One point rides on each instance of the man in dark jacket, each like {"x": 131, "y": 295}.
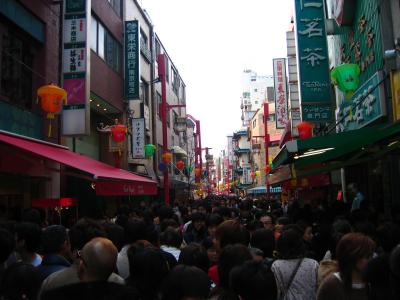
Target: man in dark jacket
{"x": 56, "y": 250}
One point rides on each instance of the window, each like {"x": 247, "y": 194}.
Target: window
{"x": 256, "y": 102}
{"x": 144, "y": 91}
{"x": 158, "y": 104}
{"x": 271, "y": 117}
{"x": 175, "y": 81}
{"x": 254, "y": 123}
{"x": 116, "y": 5}
{"x": 104, "y": 44}
{"x": 183, "y": 94}
{"x": 167, "y": 69}
{"x": 16, "y": 78}
{"x": 158, "y": 49}
{"x": 255, "y": 90}
{"x": 270, "y": 94}
{"x": 169, "y": 118}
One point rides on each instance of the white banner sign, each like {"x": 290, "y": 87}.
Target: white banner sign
{"x": 74, "y": 60}
{"x": 75, "y": 30}
{"x": 281, "y": 101}
{"x": 138, "y": 138}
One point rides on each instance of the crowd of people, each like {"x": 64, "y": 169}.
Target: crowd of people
{"x": 214, "y": 248}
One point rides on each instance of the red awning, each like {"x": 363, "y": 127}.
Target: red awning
{"x": 101, "y": 172}
{"x": 275, "y": 137}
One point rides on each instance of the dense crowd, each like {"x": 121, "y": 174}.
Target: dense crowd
{"x": 215, "y": 248}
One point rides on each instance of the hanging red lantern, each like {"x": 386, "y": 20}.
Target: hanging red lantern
{"x": 305, "y": 130}
{"x": 52, "y": 99}
{"x": 252, "y": 174}
{"x": 167, "y": 157}
{"x": 180, "y": 165}
{"x": 266, "y": 168}
{"x": 118, "y": 132}
{"x": 197, "y": 172}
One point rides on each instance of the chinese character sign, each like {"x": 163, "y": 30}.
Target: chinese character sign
{"x": 138, "y": 138}
{"x": 281, "y": 103}
{"x": 312, "y": 55}
{"x": 131, "y": 60}
{"x": 74, "y": 60}
{"x": 365, "y": 106}
{"x": 75, "y": 29}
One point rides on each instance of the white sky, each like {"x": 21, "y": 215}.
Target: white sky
{"x": 211, "y": 42}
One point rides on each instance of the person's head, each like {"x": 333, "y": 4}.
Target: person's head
{"x": 186, "y": 283}
{"x": 198, "y": 220}
{"x": 84, "y": 231}
{"x": 307, "y": 230}
{"x": 253, "y": 281}
{"x": 168, "y": 223}
{"x": 213, "y": 221}
{"x": 31, "y": 215}
{"x": 353, "y": 252}
{"x": 194, "y": 254}
{"x": 339, "y": 229}
{"x": 388, "y": 235}
{"x": 116, "y": 234}
{"x": 267, "y": 221}
{"x": 231, "y": 256}
{"x": 55, "y": 241}
{"x": 28, "y": 237}
{"x": 7, "y": 244}
{"x": 97, "y": 260}
{"x": 135, "y": 229}
{"x": 290, "y": 244}
{"x": 231, "y": 232}
{"x": 352, "y": 188}
{"x": 171, "y": 237}
{"x": 21, "y": 281}
{"x": 263, "y": 239}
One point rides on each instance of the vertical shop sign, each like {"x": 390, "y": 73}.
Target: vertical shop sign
{"x": 132, "y": 60}
{"x": 76, "y": 60}
{"x": 312, "y": 57}
{"x": 280, "y": 86}
{"x": 395, "y": 83}
{"x": 138, "y": 138}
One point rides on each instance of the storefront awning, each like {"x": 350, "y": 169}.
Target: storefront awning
{"x": 178, "y": 150}
{"x": 305, "y": 157}
{"x": 263, "y": 190}
{"x": 108, "y": 179}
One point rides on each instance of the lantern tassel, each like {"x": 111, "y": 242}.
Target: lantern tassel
{"x": 49, "y": 133}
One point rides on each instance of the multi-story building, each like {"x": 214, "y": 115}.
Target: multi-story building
{"x": 242, "y": 152}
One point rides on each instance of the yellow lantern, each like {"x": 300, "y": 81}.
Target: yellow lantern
{"x": 52, "y": 99}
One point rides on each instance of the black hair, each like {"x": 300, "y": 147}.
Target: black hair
{"x": 168, "y": 223}
{"x": 7, "y": 244}
{"x": 290, "y": 244}
{"x": 264, "y": 240}
{"x": 135, "y": 229}
{"x": 53, "y": 239}
{"x": 253, "y": 281}
{"x": 83, "y": 231}
{"x": 116, "y": 234}
{"x": 31, "y": 215}
{"x": 197, "y": 216}
{"x": 195, "y": 254}
{"x": 186, "y": 281}
{"x": 31, "y": 234}
{"x": 232, "y": 232}
{"x": 171, "y": 237}
{"x": 214, "y": 220}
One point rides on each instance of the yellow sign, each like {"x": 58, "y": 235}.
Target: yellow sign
{"x": 395, "y": 82}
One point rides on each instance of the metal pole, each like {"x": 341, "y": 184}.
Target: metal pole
{"x": 161, "y": 73}
{"x": 199, "y": 144}
{"x": 266, "y": 140}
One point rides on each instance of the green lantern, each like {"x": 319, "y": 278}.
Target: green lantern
{"x": 347, "y": 78}
{"x": 149, "y": 150}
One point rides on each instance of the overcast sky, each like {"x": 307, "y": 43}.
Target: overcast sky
{"x": 211, "y": 42}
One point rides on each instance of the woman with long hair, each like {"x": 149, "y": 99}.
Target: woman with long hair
{"x": 353, "y": 253}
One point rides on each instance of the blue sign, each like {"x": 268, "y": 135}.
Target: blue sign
{"x": 312, "y": 57}
{"x": 365, "y": 106}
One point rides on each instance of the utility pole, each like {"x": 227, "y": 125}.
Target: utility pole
{"x": 266, "y": 141}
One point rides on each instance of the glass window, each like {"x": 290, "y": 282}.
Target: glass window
{"x": 101, "y": 39}
{"x": 167, "y": 68}
{"x": 271, "y": 117}
{"x": 158, "y": 104}
{"x": 93, "y": 34}
{"x": 116, "y": 5}
{"x": 144, "y": 91}
{"x": 158, "y": 49}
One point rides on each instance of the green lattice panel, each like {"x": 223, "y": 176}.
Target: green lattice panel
{"x": 368, "y": 10}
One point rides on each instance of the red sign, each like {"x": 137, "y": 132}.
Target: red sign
{"x": 121, "y": 188}
{"x": 53, "y": 202}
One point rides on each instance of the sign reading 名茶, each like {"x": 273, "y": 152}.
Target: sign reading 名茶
{"x": 138, "y": 138}
{"x": 365, "y": 106}
{"x": 75, "y": 115}
{"x": 132, "y": 76}
{"x": 312, "y": 57}
{"x": 280, "y": 87}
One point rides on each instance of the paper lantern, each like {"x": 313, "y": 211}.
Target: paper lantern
{"x": 149, "y": 150}
{"x": 197, "y": 172}
{"x": 305, "y": 130}
{"x": 52, "y": 99}
{"x": 118, "y": 132}
{"x": 252, "y": 174}
{"x": 258, "y": 173}
{"x": 180, "y": 165}
{"x": 347, "y": 78}
{"x": 167, "y": 157}
{"x": 266, "y": 168}
{"x": 162, "y": 167}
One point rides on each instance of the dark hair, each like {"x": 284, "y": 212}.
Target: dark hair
{"x": 290, "y": 244}
{"x": 31, "y": 215}
{"x": 83, "y": 231}
{"x": 21, "y": 281}
{"x": 195, "y": 255}
{"x": 264, "y": 240}
{"x": 214, "y": 220}
{"x": 253, "y": 281}
{"x": 388, "y": 235}
{"x": 231, "y": 256}
{"x": 116, "y": 234}
{"x": 168, "y": 223}
{"x": 198, "y": 216}
{"x": 171, "y": 237}
{"x": 339, "y": 228}
{"x": 232, "y": 232}
{"x": 7, "y": 244}
{"x": 351, "y": 248}
{"x": 30, "y": 233}
{"x": 53, "y": 239}
{"x": 186, "y": 281}
{"x": 135, "y": 229}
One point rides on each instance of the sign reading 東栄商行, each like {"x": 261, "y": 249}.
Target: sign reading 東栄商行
{"x": 312, "y": 57}
{"x": 132, "y": 60}
{"x": 365, "y": 106}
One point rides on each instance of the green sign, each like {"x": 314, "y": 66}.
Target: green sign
{"x": 312, "y": 56}
{"x": 132, "y": 76}
{"x": 365, "y": 106}
{"x": 73, "y": 6}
